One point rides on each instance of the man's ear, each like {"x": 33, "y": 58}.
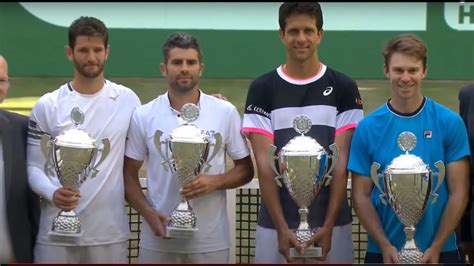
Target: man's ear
{"x": 107, "y": 51}
{"x": 69, "y": 52}
{"x": 385, "y": 70}
{"x": 201, "y": 70}
{"x": 163, "y": 69}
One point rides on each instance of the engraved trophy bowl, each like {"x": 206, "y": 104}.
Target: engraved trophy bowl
{"x": 408, "y": 184}
{"x": 187, "y": 155}
{"x": 70, "y": 157}
{"x": 304, "y": 167}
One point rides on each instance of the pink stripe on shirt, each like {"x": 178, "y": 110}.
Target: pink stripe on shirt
{"x": 346, "y": 127}
{"x": 257, "y": 130}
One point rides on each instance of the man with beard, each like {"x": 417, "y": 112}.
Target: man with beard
{"x": 106, "y": 109}
{"x": 182, "y": 66}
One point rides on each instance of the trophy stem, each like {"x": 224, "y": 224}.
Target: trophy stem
{"x": 184, "y": 205}
{"x": 304, "y": 225}
{"x": 410, "y": 252}
{"x": 304, "y": 234}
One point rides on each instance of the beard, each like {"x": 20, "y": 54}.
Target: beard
{"x": 184, "y": 86}
{"x": 88, "y": 71}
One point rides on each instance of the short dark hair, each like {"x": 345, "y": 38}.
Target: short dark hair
{"x": 181, "y": 40}
{"x": 407, "y": 44}
{"x": 288, "y": 9}
{"x": 87, "y": 26}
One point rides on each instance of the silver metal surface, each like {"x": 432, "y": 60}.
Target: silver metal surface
{"x": 304, "y": 169}
{"x": 187, "y": 154}
{"x": 408, "y": 186}
{"x": 71, "y": 157}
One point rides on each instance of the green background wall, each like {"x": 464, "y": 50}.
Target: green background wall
{"x": 35, "y": 47}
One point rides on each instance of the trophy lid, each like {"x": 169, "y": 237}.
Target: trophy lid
{"x": 188, "y": 133}
{"x": 302, "y": 146}
{"x": 407, "y": 164}
{"x": 75, "y": 138}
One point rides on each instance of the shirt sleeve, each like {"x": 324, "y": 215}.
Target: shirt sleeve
{"x": 359, "y": 154}
{"x": 349, "y": 105}
{"x": 136, "y": 147}
{"x": 40, "y": 182}
{"x": 257, "y": 118}
{"x": 236, "y": 144}
{"x": 457, "y": 144}
{"x": 466, "y": 111}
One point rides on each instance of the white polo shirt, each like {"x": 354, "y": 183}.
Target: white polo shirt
{"x": 101, "y": 208}
{"x": 163, "y": 188}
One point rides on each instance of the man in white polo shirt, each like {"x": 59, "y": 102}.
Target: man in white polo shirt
{"x": 107, "y": 108}
{"x": 182, "y": 67}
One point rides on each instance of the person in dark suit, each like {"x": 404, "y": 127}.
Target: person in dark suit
{"x": 19, "y": 206}
{"x": 465, "y": 228}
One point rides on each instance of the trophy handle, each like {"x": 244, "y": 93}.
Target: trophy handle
{"x": 158, "y": 143}
{"x": 375, "y": 178}
{"x": 441, "y": 173}
{"x": 217, "y": 146}
{"x": 271, "y": 161}
{"x": 335, "y": 156}
{"x": 104, "y": 152}
{"x": 45, "y": 145}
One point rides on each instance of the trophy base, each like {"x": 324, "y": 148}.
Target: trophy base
{"x": 179, "y": 232}
{"x": 309, "y": 252}
{"x": 71, "y": 238}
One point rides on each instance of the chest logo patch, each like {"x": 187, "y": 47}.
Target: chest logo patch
{"x": 114, "y": 98}
{"x": 427, "y": 134}
{"x": 327, "y": 91}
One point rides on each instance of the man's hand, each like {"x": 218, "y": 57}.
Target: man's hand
{"x": 390, "y": 254}
{"x": 287, "y": 239}
{"x": 157, "y": 221}
{"x": 66, "y": 199}
{"x": 322, "y": 238}
{"x": 431, "y": 255}
{"x": 200, "y": 186}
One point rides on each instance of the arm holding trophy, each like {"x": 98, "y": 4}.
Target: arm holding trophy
{"x": 133, "y": 191}
{"x": 338, "y": 192}
{"x": 362, "y": 187}
{"x": 203, "y": 184}
{"x": 137, "y": 200}
{"x": 270, "y": 195}
{"x": 457, "y": 177}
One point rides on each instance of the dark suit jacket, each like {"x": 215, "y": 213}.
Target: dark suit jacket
{"x": 22, "y": 205}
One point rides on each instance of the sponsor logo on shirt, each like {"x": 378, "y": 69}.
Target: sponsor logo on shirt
{"x": 427, "y": 134}
{"x": 114, "y": 98}
{"x": 209, "y": 134}
{"x": 327, "y": 91}
{"x": 259, "y": 110}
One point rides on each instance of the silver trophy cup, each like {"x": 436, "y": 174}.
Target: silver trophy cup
{"x": 304, "y": 168}
{"x": 71, "y": 157}
{"x": 408, "y": 184}
{"x": 187, "y": 155}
